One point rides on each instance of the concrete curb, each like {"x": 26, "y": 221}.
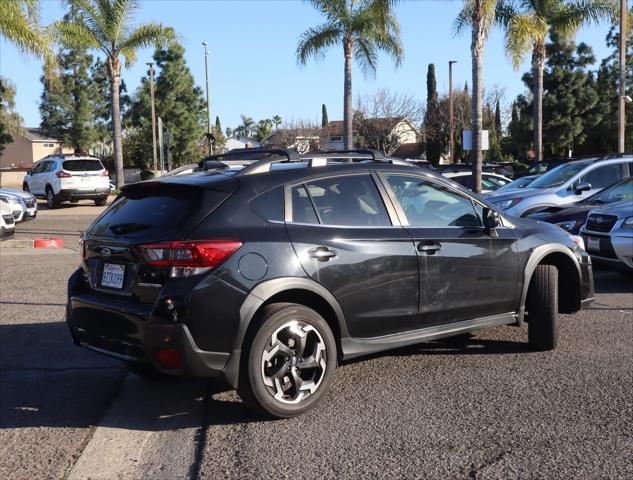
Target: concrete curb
{"x": 55, "y": 242}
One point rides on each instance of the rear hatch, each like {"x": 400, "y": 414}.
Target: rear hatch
{"x": 147, "y": 213}
{"x": 83, "y": 174}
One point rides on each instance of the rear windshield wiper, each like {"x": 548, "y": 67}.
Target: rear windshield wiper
{"x": 121, "y": 228}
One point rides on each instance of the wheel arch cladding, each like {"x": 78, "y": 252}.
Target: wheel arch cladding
{"x": 568, "y": 276}
{"x": 292, "y": 290}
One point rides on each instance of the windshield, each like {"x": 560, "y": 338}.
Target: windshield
{"x": 519, "y": 183}
{"x": 558, "y": 175}
{"x": 617, "y": 193}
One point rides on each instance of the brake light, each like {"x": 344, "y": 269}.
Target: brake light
{"x": 190, "y": 258}
{"x": 62, "y": 174}
{"x": 105, "y": 173}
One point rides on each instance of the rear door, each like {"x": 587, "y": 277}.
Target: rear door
{"x": 345, "y": 238}
{"x": 465, "y": 272}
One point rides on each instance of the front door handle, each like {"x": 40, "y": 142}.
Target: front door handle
{"x": 322, "y": 254}
{"x": 429, "y": 247}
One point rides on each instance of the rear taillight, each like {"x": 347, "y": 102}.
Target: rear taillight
{"x": 62, "y": 174}
{"x": 189, "y": 258}
{"x": 105, "y": 173}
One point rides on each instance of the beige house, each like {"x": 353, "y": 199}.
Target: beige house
{"x": 29, "y": 147}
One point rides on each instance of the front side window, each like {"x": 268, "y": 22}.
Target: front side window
{"x": 621, "y": 192}
{"x": 427, "y": 204}
{"x": 341, "y": 201}
{"x": 602, "y": 177}
{"x": 38, "y": 168}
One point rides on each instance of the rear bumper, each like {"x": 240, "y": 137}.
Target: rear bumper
{"x": 135, "y": 333}
{"x": 76, "y": 194}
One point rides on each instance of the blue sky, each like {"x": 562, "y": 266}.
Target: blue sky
{"x": 252, "y": 63}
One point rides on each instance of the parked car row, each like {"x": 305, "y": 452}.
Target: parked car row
{"x": 17, "y": 206}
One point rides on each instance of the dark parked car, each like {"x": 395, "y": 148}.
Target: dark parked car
{"x": 270, "y": 276}
{"x": 572, "y": 217}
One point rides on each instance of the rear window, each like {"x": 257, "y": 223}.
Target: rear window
{"x": 143, "y": 211}
{"x": 82, "y": 165}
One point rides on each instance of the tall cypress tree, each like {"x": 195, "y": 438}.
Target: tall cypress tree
{"x": 324, "y": 120}
{"x": 179, "y": 103}
{"x": 432, "y": 123}
{"x": 498, "y": 117}
{"x": 67, "y": 104}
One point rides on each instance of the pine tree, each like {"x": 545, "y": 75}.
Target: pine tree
{"x": 571, "y": 104}
{"x": 324, "y": 119}
{"x": 67, "y": 104}
{"x": 179, "y": 103}
{"x": 220, "y": 139}
{"x": 498, "y": 127}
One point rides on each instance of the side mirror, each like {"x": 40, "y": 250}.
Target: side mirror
{"x": 29, "y": 172}
{"x": 582, "y": 187}
{"x": 492, "y": 219}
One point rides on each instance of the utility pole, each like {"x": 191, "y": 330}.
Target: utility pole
{"x": 451, "y": 142}
{"x": 622, "y": 95}
{"x": 206, "y": 73}
{"x": 151, "y": 95}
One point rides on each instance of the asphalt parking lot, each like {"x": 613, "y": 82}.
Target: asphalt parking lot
{"x": 474, "y": 407}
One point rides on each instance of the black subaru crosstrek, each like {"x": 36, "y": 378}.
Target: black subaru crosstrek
{"x": 268, "y": 275}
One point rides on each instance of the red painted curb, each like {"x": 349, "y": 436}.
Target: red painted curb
{"x": 48, "y": 243}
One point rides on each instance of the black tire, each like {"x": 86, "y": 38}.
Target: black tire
{"x": 52, "y": 200}
{"x": 100, "y": 202}
{"x": 542, "y": 307}
{"x": 147, "y": 372}
{"x": 319, "y": 349}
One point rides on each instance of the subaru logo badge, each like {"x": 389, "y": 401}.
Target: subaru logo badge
{"x": 599, "y": 219}
{"x": 106, "y": 252}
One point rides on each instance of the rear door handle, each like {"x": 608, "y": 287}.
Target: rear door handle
{"x": 429, "y": 247}
{"x": 322, "y": 254}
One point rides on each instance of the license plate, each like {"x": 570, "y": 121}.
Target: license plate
{"x": 593, "y": 244}
{"x": 85, "y": 179}
{"x": 113, "y": 276}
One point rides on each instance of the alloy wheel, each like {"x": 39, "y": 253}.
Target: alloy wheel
{"x": 293, "y": 362}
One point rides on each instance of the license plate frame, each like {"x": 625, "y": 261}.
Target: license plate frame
{"x": 593, "y": 244}
{"x": 113, "y": 276}
{"x": 85, "y": 178}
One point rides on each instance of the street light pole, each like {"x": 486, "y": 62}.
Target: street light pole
{"x": 622, "y": 90}
{"x": 206, "y": 73}
{"x": 151, "y": 95}
{"x": 451, "y": 147}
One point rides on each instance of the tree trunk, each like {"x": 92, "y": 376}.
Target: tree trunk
{"x": 114, "y": 71}
{"x": 477, "y": 49}
{"x": 348, "y": 135}
{"x": 538, "y": 65}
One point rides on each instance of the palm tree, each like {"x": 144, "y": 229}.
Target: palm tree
{"x": 105, "y": 25}
{"x": 362, "y": 27}
{"x": 480, "y": 16}
{"x": 247, "y": 126}
{"x": 527, "y": 24}
{"x": 277, "y": 121}
{"x": 20, "y": 25}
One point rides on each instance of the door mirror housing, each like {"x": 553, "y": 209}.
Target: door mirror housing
{"x": 582, "y": 187}
{"x": 29, "y": 172}
{"x": 492, "y": 219}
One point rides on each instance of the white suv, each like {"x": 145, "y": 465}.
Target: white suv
{"x": 68, "y": 177}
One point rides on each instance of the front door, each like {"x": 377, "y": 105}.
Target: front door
{"x": 465, "y": 272}
{"x": 344, "y": 238}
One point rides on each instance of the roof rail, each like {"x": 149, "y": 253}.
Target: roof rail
{"x": 375, "y": 154}
{"x": 254, "y": 154}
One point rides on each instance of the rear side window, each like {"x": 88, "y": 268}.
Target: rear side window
{"x": 342, "y": 201}
{"x": 270, "y": 205}
{"x": 82, "y": 165}
{"x": 144, "y": 211}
